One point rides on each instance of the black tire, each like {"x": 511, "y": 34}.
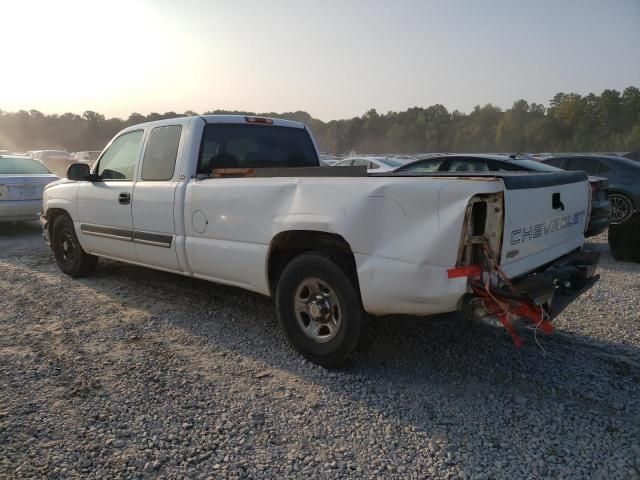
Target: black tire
{"x": 70, "y": 256}
{"x": 333, "y": 345}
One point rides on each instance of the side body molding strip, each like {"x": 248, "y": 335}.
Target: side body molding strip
{"x": 109, "y": 232}
{"x": 146, "y": 238}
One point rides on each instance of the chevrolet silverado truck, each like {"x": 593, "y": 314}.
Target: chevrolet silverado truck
{"x": 243, "y": 201}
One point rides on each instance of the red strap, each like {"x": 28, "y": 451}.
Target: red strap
{"x": 467, "y": 271}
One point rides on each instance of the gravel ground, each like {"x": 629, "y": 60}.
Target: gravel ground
{"x": 136, "y": 374}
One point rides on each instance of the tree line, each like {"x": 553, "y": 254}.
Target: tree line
{"x": 570, "y": 122}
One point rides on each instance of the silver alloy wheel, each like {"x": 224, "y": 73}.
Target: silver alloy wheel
{"x": 317, "y": 310}
{"x": 620, "y": 208}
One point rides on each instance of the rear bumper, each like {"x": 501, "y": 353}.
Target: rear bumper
{"x": 20, "y": 210}
{"x": 568, "y": 278}
{"x": 552, "y": 287}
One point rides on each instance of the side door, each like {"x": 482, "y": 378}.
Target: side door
{"x": 154, "y": 231}
{"x": 104, "y": 221}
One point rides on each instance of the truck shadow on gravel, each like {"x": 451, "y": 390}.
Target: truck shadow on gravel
{"x": 400, "y": 352}
{"x": 439, "y": 378}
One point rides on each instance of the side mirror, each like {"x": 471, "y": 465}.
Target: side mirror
{"x": 78, "y": 171}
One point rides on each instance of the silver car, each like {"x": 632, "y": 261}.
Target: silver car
{"x": 22, "y": 181}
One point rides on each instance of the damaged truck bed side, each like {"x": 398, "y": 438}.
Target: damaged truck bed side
{"x": 200, "y": 196}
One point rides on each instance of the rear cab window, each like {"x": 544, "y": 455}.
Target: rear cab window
{"x": 237, "y": 145}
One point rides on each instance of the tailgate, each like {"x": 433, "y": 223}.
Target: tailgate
{"x": 545, "y": 218}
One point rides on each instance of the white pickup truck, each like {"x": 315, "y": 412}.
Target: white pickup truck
{"x": 243, "y": 201}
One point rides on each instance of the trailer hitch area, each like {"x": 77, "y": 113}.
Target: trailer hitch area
{"x": 573, "y": 271}
{"x": 509, "y": 309}
{"x": 497, "y": 300}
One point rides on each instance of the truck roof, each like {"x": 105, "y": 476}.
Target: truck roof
{"x": 243, "y": 119}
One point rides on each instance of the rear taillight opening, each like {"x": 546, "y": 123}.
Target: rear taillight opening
{"x": 478, "y": 218}
{"x": 482, "y": 228}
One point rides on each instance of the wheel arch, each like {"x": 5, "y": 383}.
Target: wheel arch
{"x": 287, "y": 245}
{"x": 52, "y": 214}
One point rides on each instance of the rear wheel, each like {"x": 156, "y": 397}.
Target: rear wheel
{"x": 319, "y": 308}
{"x": 70, "y": 256}
{"x": 621, "y": 207}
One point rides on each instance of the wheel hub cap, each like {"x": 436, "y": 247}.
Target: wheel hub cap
{"x": 619, "y": 208}
{"x": 317, "y": 310}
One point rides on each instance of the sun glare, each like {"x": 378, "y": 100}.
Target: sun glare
{"x": 66, "y": 63}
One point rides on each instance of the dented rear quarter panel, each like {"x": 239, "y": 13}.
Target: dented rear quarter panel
{"x": 404, "y": 232}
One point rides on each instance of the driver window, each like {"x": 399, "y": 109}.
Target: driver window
{"x": 119, "y": 161}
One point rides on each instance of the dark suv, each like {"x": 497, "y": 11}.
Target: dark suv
{"x": 623, "y": 175}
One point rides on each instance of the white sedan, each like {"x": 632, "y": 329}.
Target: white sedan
{"x": 22, "y": 181}
{"x": 373, "y": 164}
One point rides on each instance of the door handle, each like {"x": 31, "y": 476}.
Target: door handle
{"x": 124, "y": 198}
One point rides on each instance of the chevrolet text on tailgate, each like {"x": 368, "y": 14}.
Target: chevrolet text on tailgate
{"x": 244, "y": 201}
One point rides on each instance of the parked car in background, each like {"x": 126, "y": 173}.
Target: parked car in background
{"x": 22, "y": 181}
{"x": 623, "y": 175}
{"x": 373, "y": 164}
{"x": 88, "y": 156}
{"x": 328, "y": 160}
{"x": 600, "y": 213}
{"x": 56, "y": 161}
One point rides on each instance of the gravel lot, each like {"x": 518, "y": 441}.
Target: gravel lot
{"x": 136, "y": 374}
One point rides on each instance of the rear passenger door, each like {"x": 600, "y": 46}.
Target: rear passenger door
{"x": 154, "y": 231}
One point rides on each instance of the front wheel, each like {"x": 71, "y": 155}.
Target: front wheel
{"x": 621, "y": 207}
{"x": 70, "y": 256}
{"x": 319, "y": 308}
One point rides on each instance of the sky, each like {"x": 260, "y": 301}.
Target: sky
{"x": 332, "y": 58}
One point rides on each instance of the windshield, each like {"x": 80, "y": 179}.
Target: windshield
{"x": 237, "y": 145}
{"x": 21, "y": 166}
